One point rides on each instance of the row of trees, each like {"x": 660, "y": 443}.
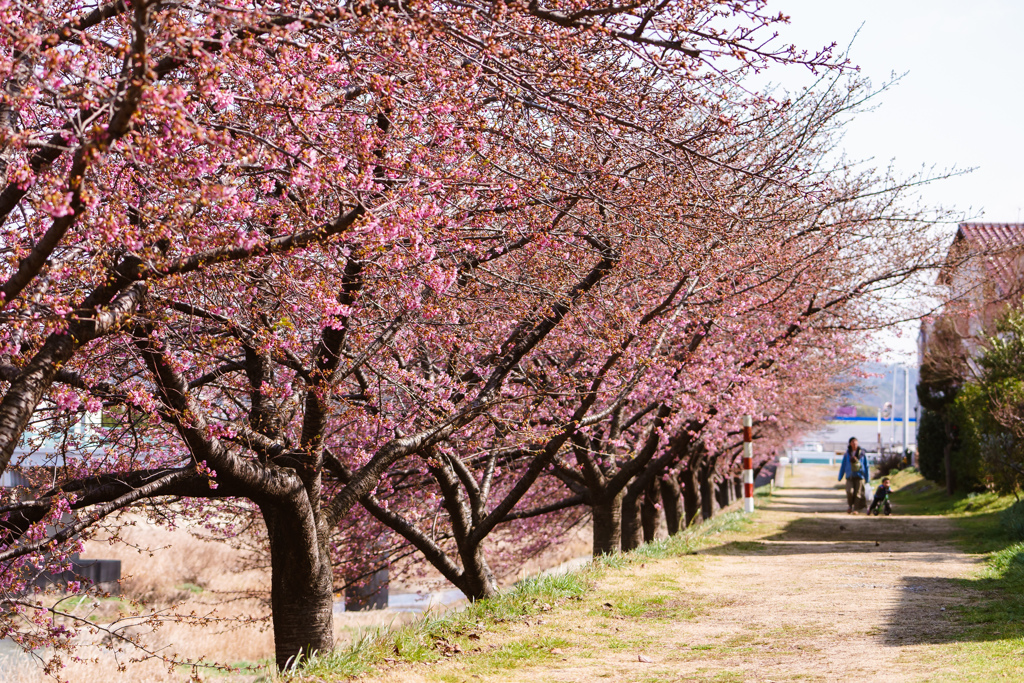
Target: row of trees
{"x": 393, "y": 277}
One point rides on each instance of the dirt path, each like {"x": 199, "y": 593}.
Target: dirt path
{"x": 804, "y": 593}
{"x": 817, "y": 594}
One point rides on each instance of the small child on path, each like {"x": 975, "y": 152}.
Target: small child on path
{"x": 881, "y": 499}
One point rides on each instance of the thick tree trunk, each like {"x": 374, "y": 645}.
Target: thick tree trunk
{"x": 707, "y": 494}
{"x": 607, "y": 512}
{"x": 723, "y": 492}
{"x": 301, "y": 587}
{"x": 691, "y": 496}
{"x": 650, "y": 512}
{"x": 737, "y": 488}
{"x": 670, "y": 494}
{"x": 632, "y": 528}
{"x": 478, "y": 578}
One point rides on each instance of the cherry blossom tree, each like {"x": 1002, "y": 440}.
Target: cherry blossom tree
{"x": 285, "y": 248}
{"x": 744, "y": 334}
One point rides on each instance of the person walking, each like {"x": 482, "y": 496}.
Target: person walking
{"x": 855, "y": 469}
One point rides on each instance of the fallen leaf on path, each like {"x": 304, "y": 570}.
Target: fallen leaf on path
{"x": 645, "y": 659}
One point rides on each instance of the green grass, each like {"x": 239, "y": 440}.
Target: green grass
{"x": 990, "y": 640}
{"x": 436, "y": 636}
{"x": 975, "y": 514}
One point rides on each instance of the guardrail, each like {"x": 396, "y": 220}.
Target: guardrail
{"x": 820, "y": 458}
{"x": 814, "y": 458}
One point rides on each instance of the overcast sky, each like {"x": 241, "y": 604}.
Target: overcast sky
{"x": 960, "y": 104}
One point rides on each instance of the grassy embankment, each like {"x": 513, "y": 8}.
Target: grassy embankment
{"x": 498, "y": 621}
{"x": 992, "y": 628}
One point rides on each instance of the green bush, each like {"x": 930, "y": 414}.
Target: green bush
{"x": 975, "y": 431}
{"x": 931, "y": 440}
{"x": 1012, "y": 519}
{"x": 971, "y": 424}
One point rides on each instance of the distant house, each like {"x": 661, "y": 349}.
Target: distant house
{"x": 36, "y": 454}
{"x": 984, "y": 272}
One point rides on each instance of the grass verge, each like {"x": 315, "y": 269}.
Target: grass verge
{"x": 990, "y": 641}
{"x": 435, "y": 637}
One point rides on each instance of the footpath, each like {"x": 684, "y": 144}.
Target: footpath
{"x": 802, "y": 592}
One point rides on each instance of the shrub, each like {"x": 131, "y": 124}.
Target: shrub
{"x": 931, "y": 440}
{"x": 1012, "y": 519}
{"x": 888, "y": 463}
{"x": 972, "y": 415}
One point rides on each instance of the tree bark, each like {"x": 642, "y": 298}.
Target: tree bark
{"x": 707, "y": 493}
{"x": 607, "y": 512}
{"x": 737, "y": 488}
{"x": 670, "y": 494}
{"x": 301, "y": 587}
{"x": 723, "y": 492}
{"x": 691, "y": 496}
{"x": 632, "y": 527}
{"x": 649, "y": 512}
{"x": 478, "y": 579}
{"x": 947, "y": 462}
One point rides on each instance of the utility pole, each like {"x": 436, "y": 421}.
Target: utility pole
{"x": 892, "y": 415}
{"x": 879, "y": 432}
{"x": 906, "y": 413}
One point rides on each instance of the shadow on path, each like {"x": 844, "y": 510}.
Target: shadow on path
{"x": 883, "y": 570}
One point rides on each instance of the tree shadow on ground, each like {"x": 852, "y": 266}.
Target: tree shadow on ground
{"x": 786, "y": 494}
{"x": 930, "y": 610}
{"x": 935, "y": 611}
{"x": 839, "y": 529}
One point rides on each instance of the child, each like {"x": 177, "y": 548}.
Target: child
{"x": 881, "y": 499}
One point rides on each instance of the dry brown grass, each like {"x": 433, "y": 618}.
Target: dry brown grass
{"x": 177, "y": 573}
{"x": 211, "y": 607}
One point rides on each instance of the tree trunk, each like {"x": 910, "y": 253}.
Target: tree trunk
{"x": 707, "y": 493}
{"x": 301, "y": 587}
{"x": 632, "y": 529}
{"x": 723, "y": 492}
{"x": 670, "y": 494}
{"x": 691, "y": 496}
{"x": 737, "y": 488}
{"x": 607, "y": 512}
{"x": 650, "y": 512}
{"x": 478, "y": 579}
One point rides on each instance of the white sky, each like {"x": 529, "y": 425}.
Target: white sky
{"x": 960, "y": 104}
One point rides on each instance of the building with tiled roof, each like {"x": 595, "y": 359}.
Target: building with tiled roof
{"x": 984, "y": 272}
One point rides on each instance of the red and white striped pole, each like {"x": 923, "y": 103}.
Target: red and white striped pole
{"x": 748, "y": 464}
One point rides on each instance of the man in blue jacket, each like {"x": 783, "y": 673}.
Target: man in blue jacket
{"x": 855, "y": 469}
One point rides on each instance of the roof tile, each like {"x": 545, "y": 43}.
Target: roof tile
{"x": 1003, "y": 242}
